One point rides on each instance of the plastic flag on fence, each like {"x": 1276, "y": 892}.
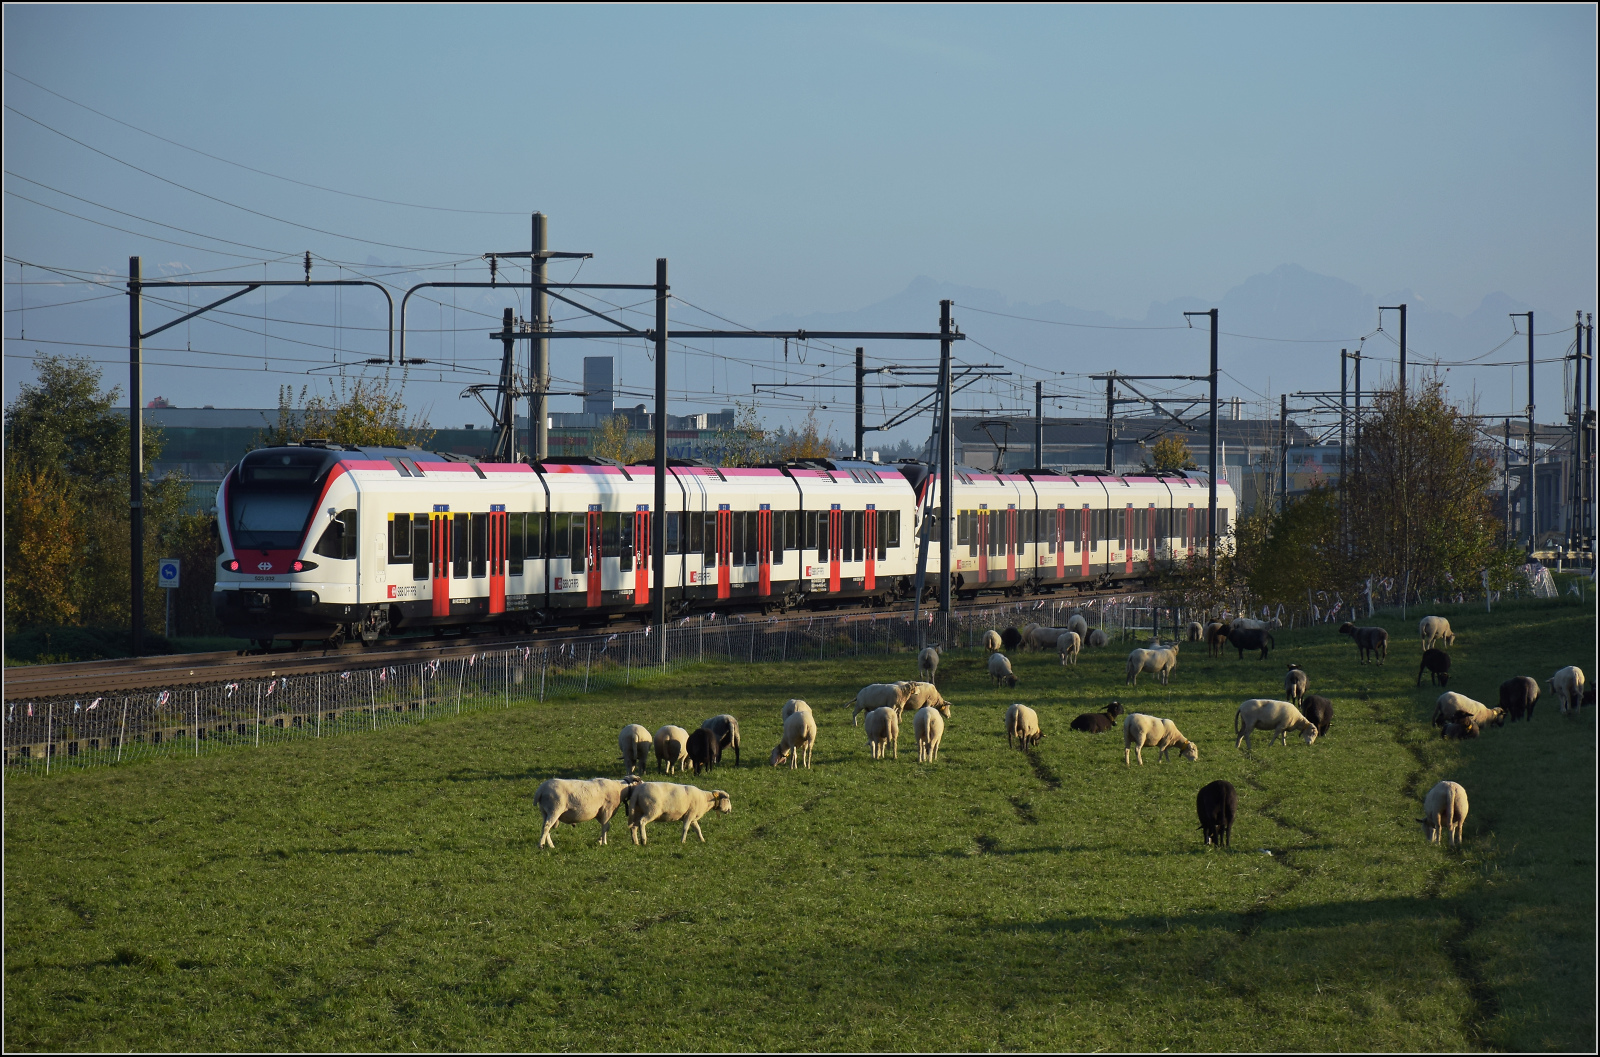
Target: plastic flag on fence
{"x": 474, "y": 659}
{"x": 383, "y": 675}
{"x": 344, "y": 675}
{"x": 163, "y": 697}
{"x": 647, "y": 627}
{"x": 94, "y": 704}
{"x": 30, "y": 708}
{"x": 271, "y": 687}
{"x": 11, "y": 712}
{"x": 77, "y": 706}
{"x": 231, "y": 687}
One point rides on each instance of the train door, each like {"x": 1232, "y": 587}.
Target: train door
{"x": 641, "y": 555}
{"x": 1061, "y": 541}
{"x": 724, "y": 551}
{"x": 439, "y": 549}
{"x": 835, "y": 541}
{"x": 592, "y": 552}
{"x": 1011, "y": 542}
{"x": 764, "y": 548}
{"x": 1084, "y": 536}
{"x": 870, "y": 578}
{"x": 497, "y": 558}
{"x": 1129, "y": 534}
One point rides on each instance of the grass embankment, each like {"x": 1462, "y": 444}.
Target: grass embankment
{"x": 385, "y": 891}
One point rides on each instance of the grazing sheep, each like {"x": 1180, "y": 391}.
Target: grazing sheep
{"x": 1140, "y": 732}
{"x": 799, "y": 737}
{"x": 1070, "y": 644}
{"x": 1022, "y": 724}
{"x": 1518, "y": 696}
{"x": 1370, "y": 642}
{"x": 883, "y": 730}
{"x": 1280, "y": 717}
{"x": 1444, "y": 810}
{"x": 1042, "y": 638}
{"x": 1452, "y": 704}
{"x": 928, "y": 664}
{"x": 572, "y": 801}
{"x": 650, "y": 801}
{"x": 1216, "y": 638}
{"x": 926, "y": 694}
{"x": 929, "y": 726}
{"x": 635, "y": 743}
{"x": 880, "y": 695}
{"x": 1247, "y": 624}
{"x": 1216, "y": 805}
{"x": 1077, "y": 622}
{"x": 1567, "y": 685}
{"x": 793, "y": 705}
{"x": 1161, "y": 660}
{"x": 1195, "y": 631}
{"x": 725, "y": 729}
{"x": 1000, "y": 670}
{"x": 702, "y": 750}
{"x": 1318, "y": 710}
{"x": 1010, "y": 638}
{"x": 1243, "y": 639}
{"x": 1437, "y": 664}
{"x": 1096, "y": 639}
{"x": 991, "y": 641}
{"x": 672, "y": 748}
{"x": 1295, "y": 683}
{"x": 1098, "y": 722}
{"x": 1460, "y": 729}
{"x": 1431, "y": 628}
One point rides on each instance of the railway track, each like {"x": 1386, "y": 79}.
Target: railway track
{"x": 81, "y": 678}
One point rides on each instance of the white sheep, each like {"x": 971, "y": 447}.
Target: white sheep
{"x": 991, "y": 641}
{"x": 1077, "y": 623}
{"x": 929, "y": 726}
{"x": 1280, "y": 717}
{"x": 883, "y": 730}
{"x": 926, "y": 694}
{"x": 572, "y": 801}
{"x": 1161, "y": 660}
{"x": 1039, "y": 637}
{"x": 1196, "y": 631}
{"x": 799, "y": 737}
{"x": 1000, "y": 670}
{"x": 1567, "y": 684}
{"x": 1022, "y": 725}
{"x": 1096, "y": 639}
{"x": 649, "y": 801}
{"x": 1070, "y": 644}
{"x": 1450, "y": 703}
{"x": 1295, "y": 683}
{"x": 672, "y": 748}
{"x": 635, "y": 743}
{"x": 1432, "y": 628}
{"x": 793, "y": 705}
{"x": 880, "y": 695}
{"x": 1140, "y": 732}
{"x": 1444, "y": 811}
{"x": 928, "y": 663}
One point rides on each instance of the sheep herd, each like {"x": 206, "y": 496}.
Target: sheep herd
{"x": 880, "y": 708}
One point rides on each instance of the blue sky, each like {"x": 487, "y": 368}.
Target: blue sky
{"x": 801, "y": 160}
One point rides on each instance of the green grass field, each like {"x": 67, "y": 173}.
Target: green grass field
{"x": 384, "y": 891}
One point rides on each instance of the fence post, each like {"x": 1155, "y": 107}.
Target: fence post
{"x": 544, "y": 665}
{"x": 461, "y": 675}
{"x": 49, "y": 735}
{"x": 122, "y": 736}
{"x": 258, "y": 714}
{"x": 319, "y": 706}
{"x": 627, "y": 671}
{"x": 196, "y": 722}
{"x": 588, "y": 659}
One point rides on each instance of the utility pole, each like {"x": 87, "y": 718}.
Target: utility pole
{"x": 1355, "y": 421}
{"x": 1038, "y": 425}
{"x": 505, "y": 438}
{"x": 1507, "y": 483}
{"x": 658, "y": 523}
{"x": 1211, "y": 513}
{"x": 1402, "y": 310}
{"x": 538, "y": 410}
{"x": 861, "y": 403}
{"x": 136, "y": 452}
{"x": 1344, "y": 479}
{"x": 947, "y": 452}
{"x": 1111, "y": 404}
{"x": 1532, "y": 505}
{"x": 1283, "y": 452}
{"x": 1589, "y": 438}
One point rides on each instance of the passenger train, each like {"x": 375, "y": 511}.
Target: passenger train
{"x": 323, "y": 542}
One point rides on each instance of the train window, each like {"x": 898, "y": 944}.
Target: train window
{"x": 708, "y": 549}
{"x": 740, "y": 520}
{"x": 858, "y": 534}
{"x": 625, "y": 526}
{"x": 1222, "y": 522}
{"x": 461, "y": 545}
{"x": 560, "y": 540}
{"x": 697, "y": 531}
{"x": 535, "y": 536}
{"x": 419, "y": 546}
{"x": 674, "y": 527}
{"x": 399, "y": 539}
{"x": 824, "y": 533}
{"x": 880, "y": 530}
{"x": 578, "y": 546}
{"x": 339, "y": 538}
{"x": 779, "y": 523}
{"x": 891, "y": 531}
{"x": 610, "y": 535}
{"x": 516, "y": 526}
{"x": 809, "y": 542}
{"x": 480, "y": 544}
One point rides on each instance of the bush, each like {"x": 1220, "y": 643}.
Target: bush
{"x": 54, "y": 645}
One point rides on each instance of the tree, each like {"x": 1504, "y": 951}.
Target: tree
{"x": 615, "y": 442}
{"x": 745, "y": 443}
{"x": 1171, "y": 452}
{"x": 1296, "y": 550}
{"x": 364, "y": 411}
{"x": 807, "y": 442}
{"x": 42, "y": 549}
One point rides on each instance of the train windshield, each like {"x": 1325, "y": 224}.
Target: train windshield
{"x": 270, "y": 500}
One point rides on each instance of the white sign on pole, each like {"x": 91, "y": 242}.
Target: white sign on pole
{"x": 167, "y": 572}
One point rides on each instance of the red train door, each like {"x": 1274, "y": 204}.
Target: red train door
{"x": 1061, "y": 541}
{"x": 1128, "y": 535}
{"x": 1189, "y": 534}
{"x": 497, "y": 558}
{"x": 981, "y": 531}
{"x": 870, "y": 581}
{"x": 591, "y": 538}
{"x": 1150, "y": 536}
{"x": 1011, "y": 542}
{"x": 439, "y": 550}
{"x": 835, "y": 538}
{"x": 724, "y": 551}
{"x": 1083, "y": 533}
{"x": 764, "y": 547}
{"x": 641, "y": 556}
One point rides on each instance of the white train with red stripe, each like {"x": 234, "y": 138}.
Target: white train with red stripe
{"x": 324, "y": 542}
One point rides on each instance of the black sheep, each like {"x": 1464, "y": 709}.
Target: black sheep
{"x": 1011, "y": 638}
{"x": 725, "y": 729}
{"x": 1318, "y": 710}
{"x": 1243, "y": 639}
{"x": 1437, "y": 664}
{"x": 1216, "y": 805}
{"x": 1094, "y": 723}
{"x": 702, "y": 749}
{"x": 1517, "y": 697}
{"x": 1373, "y": 641}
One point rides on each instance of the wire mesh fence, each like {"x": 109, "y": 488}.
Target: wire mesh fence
{"x": 45, "y": 736}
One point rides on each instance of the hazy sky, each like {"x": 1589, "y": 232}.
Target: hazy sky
{"x": 791, "y": 160}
